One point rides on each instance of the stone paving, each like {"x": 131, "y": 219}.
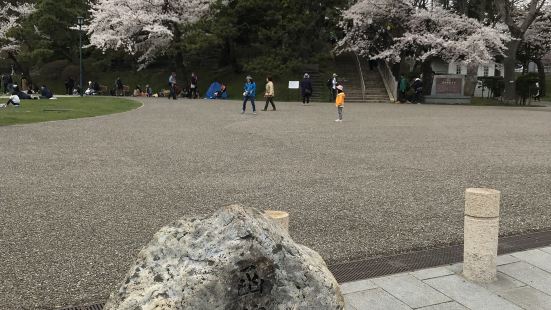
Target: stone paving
{"x": 79, "y": 198}
{"x": 523, "y": 282}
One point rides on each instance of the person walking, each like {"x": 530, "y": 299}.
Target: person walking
{"x": 193, "y": 86}
{"x": 119, "y": 87}
{"x": 339, "y": 102}
{"x": 403, "y": 88}
{"x": 269, "y": 94}
{"x": 306, "y": 89}
{"x": 249, "y": 94}
{"x": 172, "y": 85}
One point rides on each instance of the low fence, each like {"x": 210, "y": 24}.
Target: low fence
{"x": 359, "y": 64}
{"x": 389, "y": 80}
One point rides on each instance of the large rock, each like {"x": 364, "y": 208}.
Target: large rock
{"x": 235, "y": 259}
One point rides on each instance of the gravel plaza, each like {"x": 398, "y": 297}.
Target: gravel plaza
{"x": 79, "y": 198}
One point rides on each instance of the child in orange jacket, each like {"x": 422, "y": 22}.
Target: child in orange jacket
{"x": 339, "y": 102}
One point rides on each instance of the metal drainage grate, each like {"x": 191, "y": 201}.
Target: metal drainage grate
{"x": 87, "y": 307}
{"x": 381, "y": 266}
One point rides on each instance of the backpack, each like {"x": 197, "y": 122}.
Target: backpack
{"x": 329, "y": 83}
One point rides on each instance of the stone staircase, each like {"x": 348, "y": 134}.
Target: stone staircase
{"x": 321, "y": 93}
{"x": 349, "y": 77}
{"x": 318, "y": 85}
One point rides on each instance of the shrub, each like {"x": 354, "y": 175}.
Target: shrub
{"x": 526, "y": 86}
{"x": 53, "y": 70}
{"x": 494, "y": 84}
{"x": 70, "y": 71}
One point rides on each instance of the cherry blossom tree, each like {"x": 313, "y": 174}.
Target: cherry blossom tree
{"x": 11, "y": 16}
{"x": 395, "y": 29}
{"x": 537, "y": 43}
{"x": 518, "y": 16}
{"x": 146, "y": 28}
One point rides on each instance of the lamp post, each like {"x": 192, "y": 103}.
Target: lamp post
{"x": 80, "y": 22}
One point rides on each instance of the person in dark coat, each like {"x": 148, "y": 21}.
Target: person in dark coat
{"x": 22, "y": 95}
{"x": 45, "y": 92}
{"x": 418, "y": 88}
{"x": 69, "y": 86}
{"x": 306, "y": 89}
{"x": 119, "y": 87}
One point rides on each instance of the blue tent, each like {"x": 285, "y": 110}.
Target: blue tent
{"x": 213, "y": 88}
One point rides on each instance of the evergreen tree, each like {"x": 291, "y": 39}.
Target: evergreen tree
{"x": 48, "y": 32}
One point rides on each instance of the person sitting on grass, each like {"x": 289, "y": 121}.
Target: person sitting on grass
{"x": 45, "y": 92}
{"x": 148, "y": 91}
{"x": 90, "y": 90}
{"x": 22, "y": 95}
{"x": 14, "y": 100}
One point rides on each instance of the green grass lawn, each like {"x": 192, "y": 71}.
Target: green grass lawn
{"x": 32, "y": 111}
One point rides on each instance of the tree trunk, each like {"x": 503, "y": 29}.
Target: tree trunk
{"x": 541, "y": 76}
{"x": 509, "y": 63}
{"x": 178, "y": 61}
{"x": 471, "y": 80}
{"x": 517, "y": 29}
{"x": 426, "y": 69}
{"x": 20, "y": 67}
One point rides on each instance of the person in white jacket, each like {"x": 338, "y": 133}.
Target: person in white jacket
{"x": 14, "y": 99}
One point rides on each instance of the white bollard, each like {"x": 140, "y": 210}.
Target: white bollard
{"x": 280, "y": 217}
{"x": 481, "y": 234}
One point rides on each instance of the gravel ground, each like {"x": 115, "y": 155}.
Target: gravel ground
{"x": 79, "y": 198}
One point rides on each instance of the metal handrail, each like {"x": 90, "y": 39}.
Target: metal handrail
{"x": 389, "y": 80}
{"x": 361, "y": 74}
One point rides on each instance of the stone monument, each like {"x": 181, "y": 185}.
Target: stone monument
{"x": 234, "y": 259}
{"x": 448, "y": 89}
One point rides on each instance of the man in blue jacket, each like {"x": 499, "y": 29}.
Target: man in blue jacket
{"x": 249, "y": 93}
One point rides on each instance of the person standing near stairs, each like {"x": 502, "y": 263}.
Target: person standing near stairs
{"x": 306, "y": 88}
{"x": 339, "y": 102}
{"x": 332, "y": 84}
